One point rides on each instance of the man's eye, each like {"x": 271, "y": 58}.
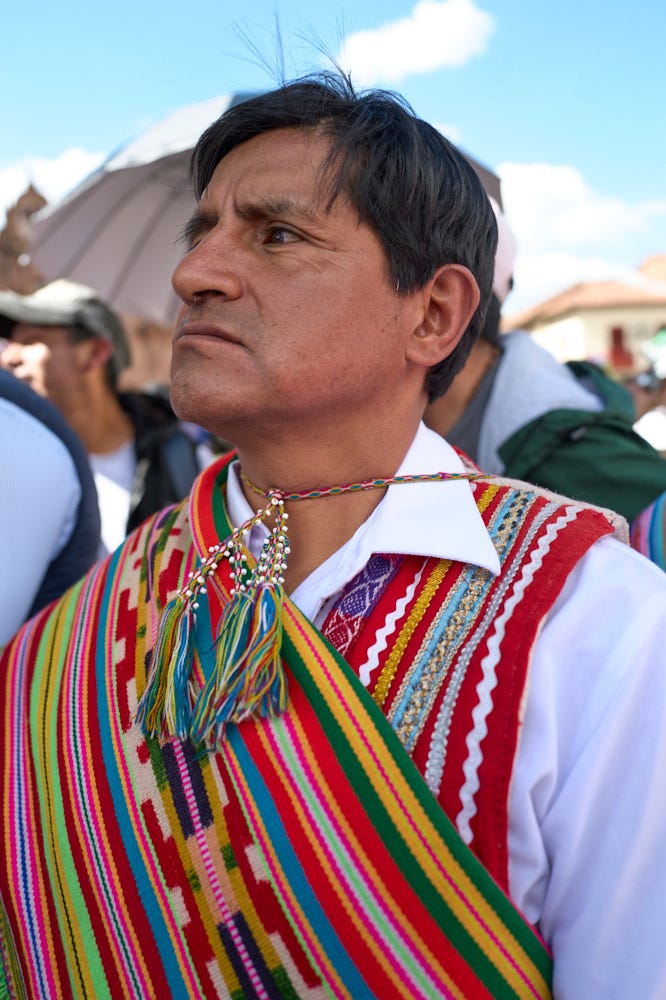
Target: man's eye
{"x": 189, "y": 241}
{"x": 278, "y": 234}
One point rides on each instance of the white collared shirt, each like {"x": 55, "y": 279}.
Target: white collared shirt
{"x": 415, "y": 507}
{"x": 587, "y": 809}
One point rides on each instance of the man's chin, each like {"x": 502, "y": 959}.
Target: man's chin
{"x": 192, "y": 403}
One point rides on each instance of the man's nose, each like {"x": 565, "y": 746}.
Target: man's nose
{"x": 208, "y": 269}
{"x": 10, "y": 355}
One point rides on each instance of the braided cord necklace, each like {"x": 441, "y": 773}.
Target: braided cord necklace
{"x": 248, "y": 679}
{"x": 364, "y": 484}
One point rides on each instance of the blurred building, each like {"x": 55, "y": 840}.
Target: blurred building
{"x": 602, "y": 321}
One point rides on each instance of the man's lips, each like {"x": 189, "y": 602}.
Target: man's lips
{"x": 205, "y": 328}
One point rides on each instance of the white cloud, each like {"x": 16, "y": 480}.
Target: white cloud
{"x": 568, "y": 233}
{"x": 52, "y": 178}
{"x": 553, "y": 206}
{"x": 452, "y": 132}
{"x": 437, "y": 34}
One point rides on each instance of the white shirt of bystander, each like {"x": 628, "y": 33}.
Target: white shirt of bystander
{"x": 39, "y": 497}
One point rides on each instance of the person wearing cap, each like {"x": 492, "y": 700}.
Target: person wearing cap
{"x": 518, "y": 412}
{"x": 49, "y": 516}
{"x": 70, "y": 347}
{"x": 340, "y": 724}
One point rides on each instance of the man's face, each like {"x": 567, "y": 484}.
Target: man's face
{"x": 45, "y": 358}
{"x": 289, "y": 314}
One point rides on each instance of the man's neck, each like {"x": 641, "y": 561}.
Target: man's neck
{"x": 444, "y": 413}
{"x": 101, "y": 424}
{"x": 319, "y": 527}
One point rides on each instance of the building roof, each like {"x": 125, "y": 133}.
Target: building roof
{"x": 648, "y": 289}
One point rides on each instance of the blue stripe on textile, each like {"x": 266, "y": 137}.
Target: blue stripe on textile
{"x": 656, "y": 532}
{"x": 293, "y": 871}
{"x": 161, "y": 933}
{"x": 23, "y": 822}
{"x": 429, "y": 652}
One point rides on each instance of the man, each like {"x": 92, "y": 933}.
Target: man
{"x": 281, "y": 714}
{"x": 519, "y": 412}
{"x": 49, "y": 519}
{"x": 70, "y": 347}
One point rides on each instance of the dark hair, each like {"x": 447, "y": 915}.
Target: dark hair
{"x": 405, "y": 180}
{"x": 490, "y": 330}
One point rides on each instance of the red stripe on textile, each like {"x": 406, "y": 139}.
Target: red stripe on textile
{"x": 85, "y": 819}
{"x": 17, "y": 730}
{"x": 330, "y": 893}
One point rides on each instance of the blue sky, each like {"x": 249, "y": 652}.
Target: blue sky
{"x": 565, "y": 101}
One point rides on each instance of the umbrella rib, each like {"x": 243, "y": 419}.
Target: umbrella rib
{"x": 64, "y": 213}
{"x": 133, "y": 253}
{"x": 83, "y": 246}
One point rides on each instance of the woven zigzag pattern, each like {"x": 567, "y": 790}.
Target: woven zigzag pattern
{"x": 306, "y": 853}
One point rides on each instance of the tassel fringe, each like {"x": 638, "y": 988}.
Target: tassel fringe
{"x": 164, "y": 709}
{"x": 248, "y": 680}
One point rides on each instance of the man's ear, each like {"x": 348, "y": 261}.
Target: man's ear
{"x": 94, "y": 352}
{"x": 449, "y": 299}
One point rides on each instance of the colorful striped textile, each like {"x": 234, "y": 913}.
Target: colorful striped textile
{"x": 444, "y": 649}
{"x": 648, "y": 532}
{"x": 306, "y": 857}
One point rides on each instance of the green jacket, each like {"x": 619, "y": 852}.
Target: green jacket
{"x": 597, "y": 457}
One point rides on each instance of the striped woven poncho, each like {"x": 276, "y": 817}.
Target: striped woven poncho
{"x": 305, "y": 856}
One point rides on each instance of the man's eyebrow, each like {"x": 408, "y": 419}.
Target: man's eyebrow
{"x": 199, "y": 222}
{"x": 281, "y": 206}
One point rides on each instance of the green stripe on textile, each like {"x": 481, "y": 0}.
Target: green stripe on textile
{"x": 363, "y": 788}
{"x": 44, "y": 721}
{"x": 12, "y": 985}
{"x": 392, "y": 941}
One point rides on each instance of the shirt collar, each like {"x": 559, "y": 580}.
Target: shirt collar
{"x": 437, "y": 519}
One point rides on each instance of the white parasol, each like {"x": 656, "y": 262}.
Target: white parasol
{"x": 118, "y": 230}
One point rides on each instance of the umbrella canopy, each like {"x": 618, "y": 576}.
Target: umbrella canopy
{"x": 118, "y": 231}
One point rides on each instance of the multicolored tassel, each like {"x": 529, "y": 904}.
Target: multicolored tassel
{"x": 164, "y": 710}
{"x": 248, "y": 680}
